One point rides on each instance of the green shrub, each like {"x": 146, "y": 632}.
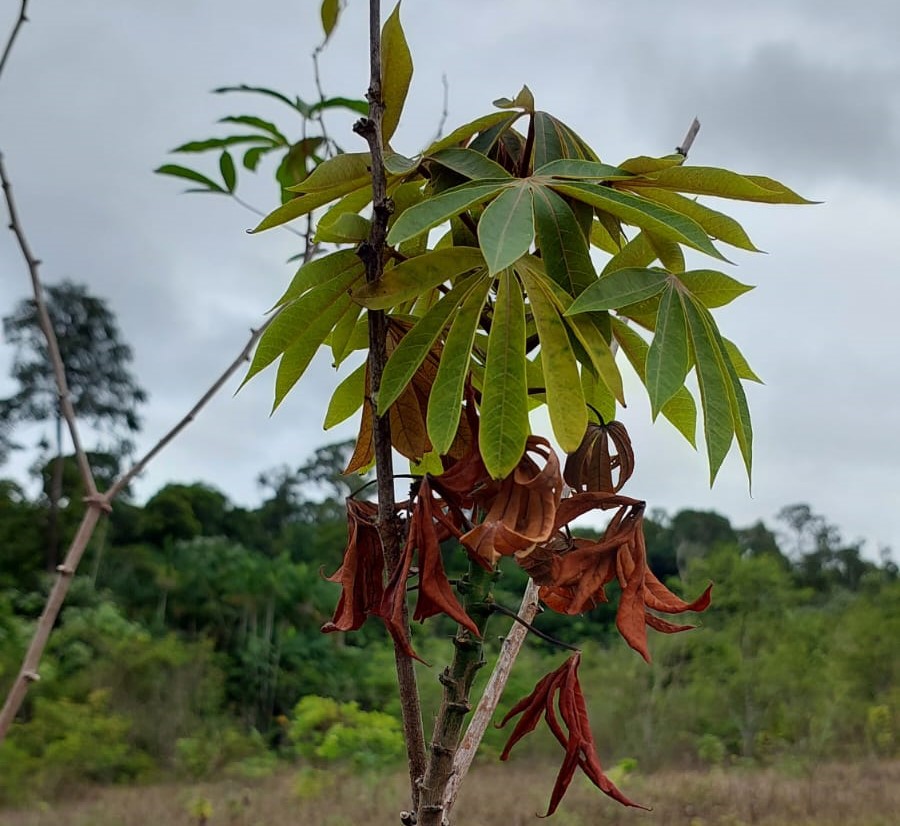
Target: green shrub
{"x": 323, "y": 729}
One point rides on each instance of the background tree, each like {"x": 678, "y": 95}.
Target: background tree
{"x": 102, "y": 388}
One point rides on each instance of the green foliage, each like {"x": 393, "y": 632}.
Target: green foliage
{"x": 326, "y": 730}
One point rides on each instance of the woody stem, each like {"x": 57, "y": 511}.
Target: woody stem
{"x": 457, "y": 680}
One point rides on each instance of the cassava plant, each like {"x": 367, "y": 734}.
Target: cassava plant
{"x": 470, "y": 278}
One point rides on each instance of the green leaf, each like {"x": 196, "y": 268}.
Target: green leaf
{"x": 312, "y": 333}
{"x": 296, "y": 104}
{"x": 348, "y": 228}
{"x": 396, "y": 72}
{"x": 619, "y": 289}
{"x": 439, "y": 208}
{"x": 523, "y": 100}
{"x": 226, "y": 167}
{"x": 718, "y": 426}
{"x": 258, "y": 123}
{"x": 415, "y": 345}
{"x": 722, "y": 183}
{"x": 189, "y": 175}
{"x": 601, "y": 238}
{"x": 219, "y": 143}
{"x": 304, "y": 204}
{"x": 581, "y": 169}
{"x": 713, "y": 288}
{"x": 329, "y": 12}
{"x": 300, "y": 328}
{"x": 681, "y": 409}
{"x": 563, "y": 246}
{"x": 741, "y": 366}
{"x": 643, "y": 164}
{"x": 445, "y": 403}
{"x": 360, "y": 107}
{"x": 554, "y": 140}
{"x": 254, "y": 155}
{"x": 668, "y": 252}
{"x": 587, "y": 329}
{"x": 397, "y": 164}
{"x": 597, "y": 395}
{"x": 716, "y": 224}
{"x": 504, "y": 403}
{"x": 644, "y": 214}
{"x": 342, "y": 334}
{"x": 350, "y": 168}
{"x": 668, "y": 359}
{"x": 740, "y": 410}
{"x": 506, "y": 227}
{"x": 417, "y": 275}
{"x": 565, "y": 396}
{"x": 638, "y": 252}
{"x": 347, "y": 398}
{"x": 469, "y": 164}
{"x": 466, "y": 131}
{"x": 318, "y": 271}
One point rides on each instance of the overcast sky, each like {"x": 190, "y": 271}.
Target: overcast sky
{"x": 806, "y": 91}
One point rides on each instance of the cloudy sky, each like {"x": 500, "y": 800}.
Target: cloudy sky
{"x": 806, "y": 91}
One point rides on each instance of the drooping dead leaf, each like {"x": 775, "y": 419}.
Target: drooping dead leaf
{"x": 604, "y": 451}
{"x": 523, "y": 512}
{"x": 559, "y": 693}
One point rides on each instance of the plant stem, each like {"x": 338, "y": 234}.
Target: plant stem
{"x": 372, "y": 253}
{"x": 457, "y": 681}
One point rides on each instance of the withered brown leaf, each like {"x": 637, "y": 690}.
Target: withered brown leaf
{"x": 523, "y": 511}
{"x": 558, "y": 695}
{"x": 604, "y": 450}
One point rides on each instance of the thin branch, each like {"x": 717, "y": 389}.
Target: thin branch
{"x": 216, "y": 386}
{"x": 22, "y": 18}
{"x": 445, "y": 110}
{"x": 59, "y": 370}
{"x": 493, "y": 691}
{"x": 688, "y": 141}
{"x": 372, "y": 253}
{"x": 526, "y": 624}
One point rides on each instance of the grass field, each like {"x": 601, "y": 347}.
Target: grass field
{"x": 862, "y": 794}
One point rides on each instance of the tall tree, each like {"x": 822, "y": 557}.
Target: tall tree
{"x": 102, "y": 388}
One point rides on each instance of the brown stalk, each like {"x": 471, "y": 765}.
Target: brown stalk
{"x": 20, "y": 20}
{"x": 372, "y": 253}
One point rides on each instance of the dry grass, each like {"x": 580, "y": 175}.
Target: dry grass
{"x": 864, "y": 794}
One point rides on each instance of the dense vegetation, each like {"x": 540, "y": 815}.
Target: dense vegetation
{"x": 190, "y": 643}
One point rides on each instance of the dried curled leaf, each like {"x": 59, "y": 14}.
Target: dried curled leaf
{"x": 604, "y": 450}
{"x": 559, "y": 693}
{"x": 523, "y": 512}
{"x": 573, "y": 573}
{"x": 435, "y": 596}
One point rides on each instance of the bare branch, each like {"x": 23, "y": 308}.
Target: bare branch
{"x": 216, "y": 386}
{"x": 493, "y": 691}
{"x": 59, "y": 371}
{"x": 688, "y": 141}
{"x": 445, "y": 110}
{"x": 22, "y": 18}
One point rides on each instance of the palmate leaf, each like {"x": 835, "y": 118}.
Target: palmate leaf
{"x": 396, "y": 72}
{"x": 504, "y": 403}
{"x": 445, "y": 404}
{"x": 301, "y": 327}
{"x": 415, "y": 276}
{"x": 642, "y": 213}
{"x": 469, "y": 163}
{"x": 439, "y": 208}
{"x": 506, "y": 228}
{"x": 563, "y": 246}
{"x": 718, "y": 425}
{"x": 581, "y": 169}
{"x": 713, "y": 288}
{"x": 668, "y": 359}
{"x": 565, "y": 396}
{"x": 347, "y": 398}
{"x": 619, "y": 289}
{"x": 417, "y": 343}
{"x": 716, "y": 224}
{"x": 721, "y": 183}
{"x": 681, "y": 409}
